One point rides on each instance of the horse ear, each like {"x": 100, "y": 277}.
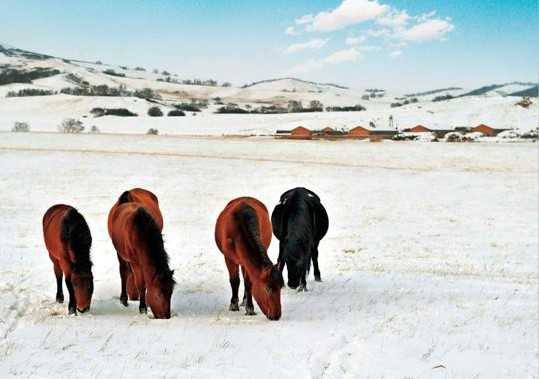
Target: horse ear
{"x": 171, "y": 272}
{"x": 321, "y": 220}
{"x": 277, "y": 221}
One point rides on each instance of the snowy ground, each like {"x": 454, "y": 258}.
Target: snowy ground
{"x": 429, "y": 266}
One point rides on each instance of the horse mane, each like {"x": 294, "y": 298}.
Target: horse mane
{"x": 152, "y": 237}
{"x": 76, "y": 233}
{"x": 249, "y": 226}
{"x": 124, "y": 198}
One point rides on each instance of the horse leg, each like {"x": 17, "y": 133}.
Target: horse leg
{"x": 303, "y": 282}
{"x": 72, "y": 306}
{"x": 132, "y": 290}
{"x": 59, "y": 292}
{"x": 249, "y": 307}
{"x": 234, "y": 278}
{"x": 317, "y": 276}
{"x": 124, "y": 271}
{"x": 242, "y": 304}
{"x": 141, "y": 285}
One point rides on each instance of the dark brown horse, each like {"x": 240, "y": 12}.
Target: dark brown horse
{"x": 68, "y": 240}
{"x": 149, "y": 201}
{"x": 138, "y": 241}
{"x": 243, "y": 234}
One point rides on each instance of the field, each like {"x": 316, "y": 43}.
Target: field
{"x": 429, "y": 267}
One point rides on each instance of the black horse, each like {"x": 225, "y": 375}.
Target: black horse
{"x": 299, "y": 222}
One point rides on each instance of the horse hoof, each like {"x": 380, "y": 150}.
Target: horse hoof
{"x": 317, "y": 279}
{"x": 60, "y": 299}
{"x": 234, "y": 307}
{"x": 143, "y": 310}
{"x": 72, "y": 311}
{"x": 250, "y": 311}
{"x": 302, "y": 288}
{"x": 124, "y": 302}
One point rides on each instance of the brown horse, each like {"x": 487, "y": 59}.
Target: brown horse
{"x": 68, "y": 240}
{"x": 151, "y": 203}
{"x": 243, "y": 234}
{"x": 139, "y": 244}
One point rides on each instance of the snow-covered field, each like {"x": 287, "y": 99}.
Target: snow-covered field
{"x": 429, "y": 266}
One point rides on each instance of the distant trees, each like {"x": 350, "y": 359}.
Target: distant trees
{"x": 155, "y": 112}
{"x": 147, "y": 93}
{"x": 21, "y": 127}
{"x": 176, "y": 113}
{"x": 316, "y": 106}
{"x": 114, "y": 73}
{"x": 122, "y": 112}
{"x": 346, "y": 108}
{"x": 10, "y": 75}
{"x": 71, "y": 125}
{"x": 30, "y": 92}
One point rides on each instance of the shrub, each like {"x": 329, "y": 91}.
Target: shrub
{"x": 71, "y": 125}
{"x": 30, "y": 92}
{"x": 187, "y": 107}
{"x": 147, "y": 93}
{"x": 348, "y": 108}
{"x": 152, "y": 132}
{"x": 9, "y": 75}
{"x": 113, "y": 73}
{"x": 22, "y": 127}
{"x": 442, "y": 98}
{"x": 121, "y": 112}
{"x": 155, "y": 112}
{"x": 231, "y": 109}
{"x": 176, "y": 113}
{"x": 94, "y": 129}
{"x": 453, "y": 137}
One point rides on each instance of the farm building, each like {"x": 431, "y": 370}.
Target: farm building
{"x": 487, "y": 130}
{"x": 358, "y": 132}
{"x": 300, "y": 132}
{"x": 328, "y": 132}
{"x": 418, "y": 129}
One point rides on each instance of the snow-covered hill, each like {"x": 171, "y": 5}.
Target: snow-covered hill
{"x": 469, "y": 107}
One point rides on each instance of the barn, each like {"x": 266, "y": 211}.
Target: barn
{"x": 419, "y": 129}
{"x": 359, "y": 132}
{"x": 487, "y": 130}
{"x": 300, "y": 132}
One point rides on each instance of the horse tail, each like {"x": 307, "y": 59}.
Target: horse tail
{"x": 124, "y": 198}
{"x": 76, "y": 233}
{"x": 249, "y": 226}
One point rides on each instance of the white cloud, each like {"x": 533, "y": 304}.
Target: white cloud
{"x": 349, "y": 12}
{"x": 434, "y": 29}
{"x": 395, "y": 54}
{"x": 338, "y": 57}
{"x": 394, "y": 19}
{"x": 307, "y": 19}
{"x": 316, "y": 43}
{"x": 342, "y": 56}
{"x": 379, "y": 32}
{"x": 369, "y": 48}
{"x": 291, "y": 31}
{"x": 354, "y": 41}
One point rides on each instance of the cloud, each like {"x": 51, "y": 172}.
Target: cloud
{"x": 354, "y": 41}
{"x": 307, "y": 19}
{"x": 395, "y": 54}
{"x": 349, "y": 12}
{"x": 338, "y": 57}
{"x": 341, "y": 56}
{"x": 394, "y": 19}
{"x": 316, "y": 43}
{"x": 291, "y": 31}
{"x": 379, "y": 32}
{"x": 433, "y": 29}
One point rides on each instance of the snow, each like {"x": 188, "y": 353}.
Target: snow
{"x": 429, "y": 266}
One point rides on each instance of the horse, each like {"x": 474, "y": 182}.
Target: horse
{"x": 137, "y": 239}
{"x": 299, "y": 222}
{"x": 243, "y": 235}
{"x": 151, "y": 203}
{"x": 68, "y": 241}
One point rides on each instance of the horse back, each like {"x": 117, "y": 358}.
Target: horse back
{"x": 52, "y": 232}
{"x": 228, "y": 231}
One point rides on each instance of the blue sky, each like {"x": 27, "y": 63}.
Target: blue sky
{"x": 396, "y": 44}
